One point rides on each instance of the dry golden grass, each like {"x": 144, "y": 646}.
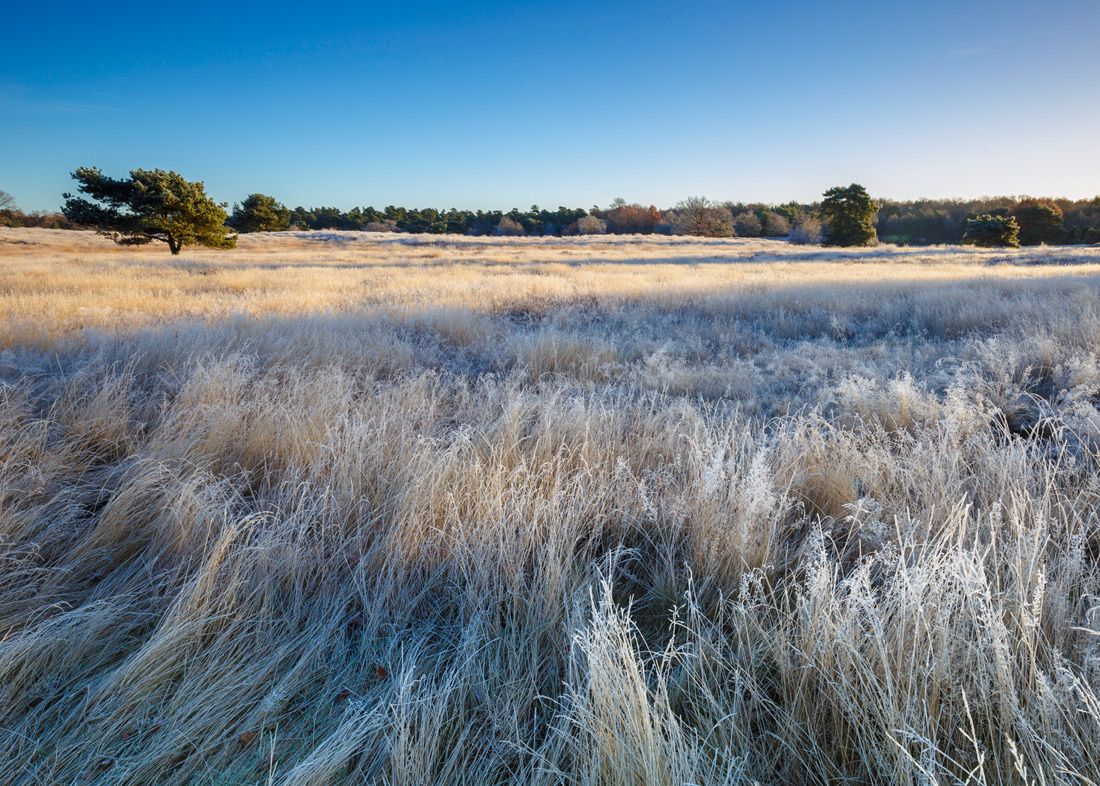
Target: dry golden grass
{"x": 58, "y": 283}
{"x": 342, "y": 508}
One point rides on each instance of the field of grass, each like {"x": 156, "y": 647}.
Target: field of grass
{"x": 349, "y": 508}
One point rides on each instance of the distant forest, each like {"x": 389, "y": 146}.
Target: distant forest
{"x": 920, "y": 222}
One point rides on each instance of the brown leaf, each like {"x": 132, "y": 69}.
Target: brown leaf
{"x": 343, "y": 695}
{"x": 184, "y": 755}
{"x": 380, "y": 671}
{"x": 246, "y": 738}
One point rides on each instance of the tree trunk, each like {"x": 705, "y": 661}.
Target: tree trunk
{"x": 174, "y": 246}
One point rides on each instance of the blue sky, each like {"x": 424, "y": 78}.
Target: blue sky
{"x": 500, "y": 105}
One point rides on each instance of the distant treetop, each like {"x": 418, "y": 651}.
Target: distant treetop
{"x": 259, "y": 213}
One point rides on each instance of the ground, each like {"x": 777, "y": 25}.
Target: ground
{"x": 346, "y": 507}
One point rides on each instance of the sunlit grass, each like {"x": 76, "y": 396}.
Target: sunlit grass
{"x": 342, "y": 508}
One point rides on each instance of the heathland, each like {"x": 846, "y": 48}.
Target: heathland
{"x": 375, "y": 508}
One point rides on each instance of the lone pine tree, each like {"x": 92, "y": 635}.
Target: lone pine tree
{"x": 149, "y": 205}
{"x": 847, "y": 213}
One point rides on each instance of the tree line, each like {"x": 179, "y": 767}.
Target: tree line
{"x": 695, "y": 215}
{"x": 919, "y": 222}
{"x": 12, "y": 216}
{"x": 155, "y": 205}
{"x": 944, "y": 221}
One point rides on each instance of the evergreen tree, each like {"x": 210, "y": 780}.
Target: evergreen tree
{"x": 847, "y": 213}
{"x": 149, "y": 205}
{"x": 988, "y": 231}
{"x": 259, "y": 213}
{"x": 792, "y": 211}
{"x": 1040, "y": 222}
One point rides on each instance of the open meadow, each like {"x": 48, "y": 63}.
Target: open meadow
{"x": 379, "y": 508}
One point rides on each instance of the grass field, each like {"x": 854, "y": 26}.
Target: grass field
{"x": 349, "y": 508}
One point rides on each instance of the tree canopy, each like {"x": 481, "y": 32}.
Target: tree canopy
{"x": 990, "y": 231}
{"x": 847, "y": 213}
{"x": 917, "y": 222}
{"x": 149, "y": 205}
{"x": 259, "y": 213}
{"x": 1040, "y": 222}
{"x": 700, "y": 216}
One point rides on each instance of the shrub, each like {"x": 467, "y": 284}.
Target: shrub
{"x": 748, "y": 225}
{"x": 509, "y": 227}
{"x": 14, "y": 217}
{"x": 385, "y": 225}
{"x": 669, "y": 224}
{"x": 988, "y": 231}
{"x": 776, "y": 224}
{"x": 806, "y": 232}
{"x": 591, "y": 225}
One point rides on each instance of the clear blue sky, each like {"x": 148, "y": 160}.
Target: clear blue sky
{"x": 500, "y": 105}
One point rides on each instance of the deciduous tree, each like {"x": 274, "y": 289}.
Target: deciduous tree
{"x": 776, "y": 225}
{"x": 806, "y": 231}
{"x": 9, "y": 212}
{"x": 590, "y": 225}
{"x": 700, "y": 216}
{"x": 509, "y": 227}
{"x": 624, "y": 219}
{"x": 748, "y": 225}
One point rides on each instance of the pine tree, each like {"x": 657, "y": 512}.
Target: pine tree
{"x": 847, "y": 213}
{"x": 259, "y": 213}
{"x": 149, "y": 205}
{"x": 988, "y": 231}
{"x": 1040, "y": 222}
